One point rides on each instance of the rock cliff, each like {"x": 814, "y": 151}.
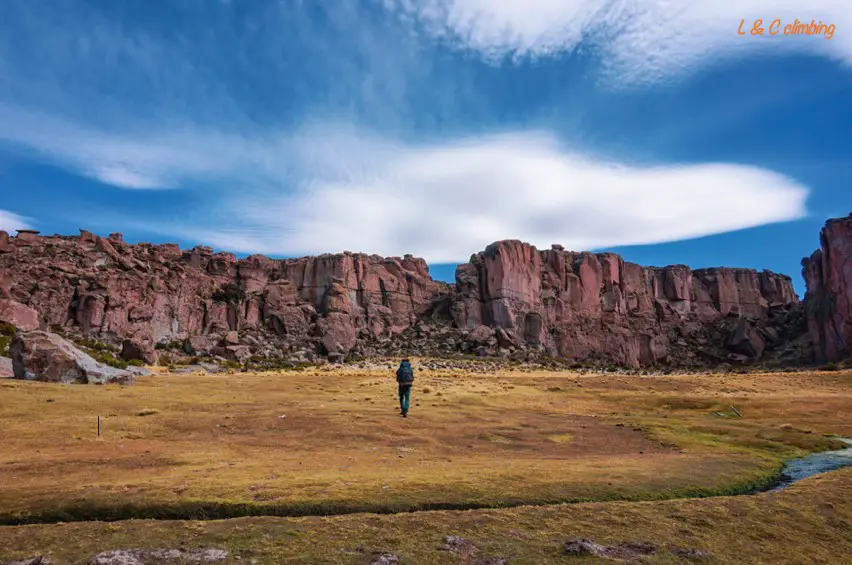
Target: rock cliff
{"x": 511, "y": 298}
{"x": 828, "y": 300}
{"x": 585, "y": 305}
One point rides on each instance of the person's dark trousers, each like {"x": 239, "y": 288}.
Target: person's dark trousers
{"x": 404, "y": 398}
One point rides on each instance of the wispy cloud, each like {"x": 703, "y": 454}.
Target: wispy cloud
{"x": 640, "y": 41}
{"x": 10, "y": 222}
{"x": 147, "y": 158}
{"x": 446, "y": 200}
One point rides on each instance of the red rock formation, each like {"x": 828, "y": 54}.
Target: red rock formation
{"x": 828, "y": 300}
{"x": 581, "y": 305}
{"x": 150, "y": 294}
{"x": 511, "y": 296}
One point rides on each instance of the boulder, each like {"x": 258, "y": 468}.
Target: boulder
{"x": 132, "y": 349}
{"x": 200, "y": 345}
{"x": 231, "y": 338}
{"x": 746, "y": 340}
{"x": 6, "y": 367}
{"x": 338, "y": 333}
{"x": 45, "y": 356}
{"x": 19, "y": 315}
{"x": 507, "y": 338}
{"x": 481, "y": 335}
{"x": 239, "y": 353}
{"x": 4, "y": 242}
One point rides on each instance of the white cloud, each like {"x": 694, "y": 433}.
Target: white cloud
{"x": 138, "y": 161}
{"x": 331, "y": 188}
{"x": 444, "y": 202}
{"x": 640, "y": 40}
{"x": 10, "y": 222}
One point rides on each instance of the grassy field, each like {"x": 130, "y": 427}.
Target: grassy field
{"x": 811, "y": 522}
{"x": 330, "y": 441}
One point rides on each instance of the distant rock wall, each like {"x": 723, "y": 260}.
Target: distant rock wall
{"x": 156, "y": 293}
{"x": 509, "y": 297}
{"x": 828, "y": 300}
{"x": 581, "y": 305}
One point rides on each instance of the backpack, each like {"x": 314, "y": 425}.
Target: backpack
{"x": 405, "y": 374}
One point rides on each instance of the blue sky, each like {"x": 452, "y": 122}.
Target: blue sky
{"x": 432, "y": 127}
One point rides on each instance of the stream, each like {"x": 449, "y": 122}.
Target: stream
{"x": 804, "y": 467}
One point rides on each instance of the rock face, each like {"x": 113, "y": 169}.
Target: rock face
{"x": 154, "y": 294}
{"x": 585, "y": 305}
{"x": 509, "y": 298}
{"x": 47, "y": 357}
{"x": 828, "y": 300}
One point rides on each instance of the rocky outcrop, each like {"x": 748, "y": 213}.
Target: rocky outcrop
{"x": 44, "y": 356}
{"x": 148, "y": 294}
{"x": 828, "y": 300}
{"x": 510, "y": 298}
{"x": 585, "y": 305}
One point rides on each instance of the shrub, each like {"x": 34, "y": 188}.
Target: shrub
{"x": 229, "y": 293}
{"x": 7, "y": 332}
{"x": 108, "y": 358}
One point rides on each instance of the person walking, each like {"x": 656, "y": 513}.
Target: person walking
{"x": 404, "y": 378}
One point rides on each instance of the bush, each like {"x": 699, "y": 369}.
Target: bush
{"x": 7, "y": 332}
{"x": 108, "y": 358}
{"x": 229, "y": 293}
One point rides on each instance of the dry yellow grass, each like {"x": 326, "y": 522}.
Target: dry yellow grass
{"x": 811, "y": 522}
{"x": 331, "y": 440}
